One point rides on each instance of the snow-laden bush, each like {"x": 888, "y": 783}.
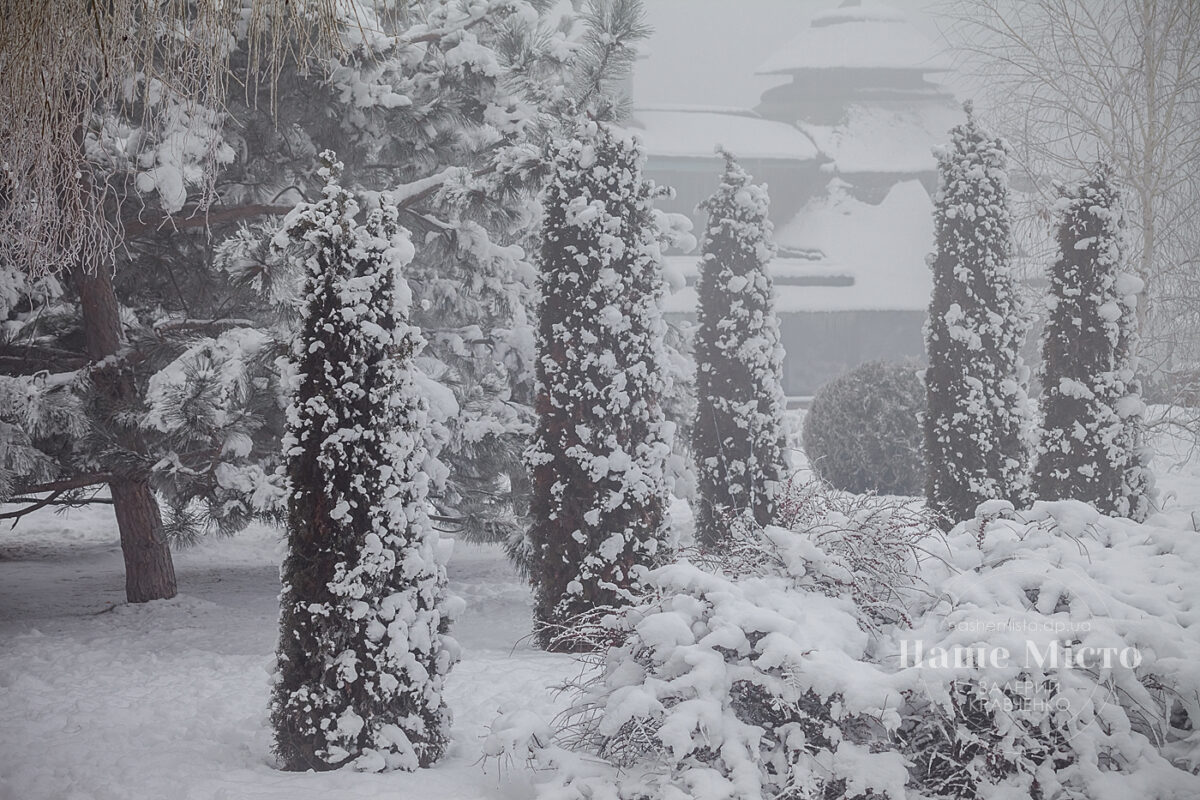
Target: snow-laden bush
{"x": 767, "y": 673}
{"x": 737, "y": 436}
{"x": 34, "y": 408}
{"x": 1056, "y": 659}
{"x": 220, "y": 397}
{"x": 1093, "y": 417}
{"x": 597, "y": 459}
{"x": 745, "y": 672}
{"x": 863, "y": 432}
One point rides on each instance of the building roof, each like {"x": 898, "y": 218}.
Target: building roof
{"x": 695, "y": 133}
{"x": 886, "y": 139}
{"x": 858, "y": 35}
{"x": 866, "y": 257}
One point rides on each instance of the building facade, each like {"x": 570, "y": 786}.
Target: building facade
{"x": 844, "y": 144}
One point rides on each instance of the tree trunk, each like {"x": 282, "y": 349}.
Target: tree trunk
{"x": 1146, "y": 267}
{"x": 149, "y": 572}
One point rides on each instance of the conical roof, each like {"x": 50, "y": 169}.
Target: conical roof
{"x": 858, "y": 35}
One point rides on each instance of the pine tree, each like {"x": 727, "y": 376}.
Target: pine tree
{"x": 198, "y": 307}
{"x": 441, "y": 113}
{"x": 977, "y": 422}
{"x": 363, "y": 653}
{"x": 737, "y": 436}
{"x": 598, "y": 454}
{"x": 1093, "y": 416}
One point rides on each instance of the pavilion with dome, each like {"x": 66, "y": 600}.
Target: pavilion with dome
{"x": 844, "y": 143}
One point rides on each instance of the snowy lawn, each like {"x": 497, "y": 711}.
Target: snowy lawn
{"x": 99, "y": 699}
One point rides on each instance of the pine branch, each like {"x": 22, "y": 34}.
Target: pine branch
{"x": 53, "y": 499}
{"x": 409, "y": 194}
{"x": 40, "y": 351}
{"x": 32, "y": 359}
{"x": 613, "y": 29}
{"x": 36, "y": 505}
{"x": 66, "y": 484}
{"x": 70, "y": 502}
{"x": 198, "y": 217}
{"x": 207, "y": 325}
{"x": 438, "y": 34}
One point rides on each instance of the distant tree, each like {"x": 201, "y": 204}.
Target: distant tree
{"x": 598, "y": 454}
{"x": 977, "y": 421}
{"x": 1073, "y": 81}
{"x": 737, "y": 436}
{"x": 362, "y": 649}
{"x": 1093, "y": 415}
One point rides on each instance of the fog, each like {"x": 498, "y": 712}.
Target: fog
{"x": 705, "y": 52}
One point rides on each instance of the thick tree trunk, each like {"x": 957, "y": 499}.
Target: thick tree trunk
{"x": 149, "y": 572}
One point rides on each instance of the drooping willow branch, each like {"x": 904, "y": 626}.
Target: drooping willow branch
{"x": 65, "y": 61}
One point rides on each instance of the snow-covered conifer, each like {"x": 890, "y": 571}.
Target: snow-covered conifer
{"x": 1092, "y": 411}
{"x": 445, "y": 105}
{"x": 737, "y": 436}
{"x": 598, "y": 454}
{"x": 363, "y": 652}
{"x": 434, "y": 112}
{"x": 977, "y": 422}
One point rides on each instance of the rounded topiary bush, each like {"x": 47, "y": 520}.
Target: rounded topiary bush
{"x": 863, "y": 432}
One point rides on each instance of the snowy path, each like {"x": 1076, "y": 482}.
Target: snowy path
{"x": 168, "y": 700}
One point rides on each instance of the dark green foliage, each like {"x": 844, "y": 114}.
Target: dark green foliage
{"x": 977, "y": 421}
{"x": 362, "y": 651}
{"x": 737, "y": 436}
{"x": 863, "y": 431}
{"x": 599, "y": 451}
{"x": 1092, "y": 411}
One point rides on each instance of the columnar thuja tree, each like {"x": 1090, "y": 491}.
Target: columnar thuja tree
{"x": 737, "y": 436}
{"x": 1092, "y": 411}
{"x": 598, "y": 454}
{"x": 977, "y": 422}
{"x": 363, "y": 652}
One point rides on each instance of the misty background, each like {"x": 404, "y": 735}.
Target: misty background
{"x": 705, "y": 52}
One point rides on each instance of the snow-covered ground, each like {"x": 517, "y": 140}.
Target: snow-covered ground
{"x": 99, "y": 699}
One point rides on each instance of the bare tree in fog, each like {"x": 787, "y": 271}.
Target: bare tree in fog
{"x": 1072, "y": 82}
